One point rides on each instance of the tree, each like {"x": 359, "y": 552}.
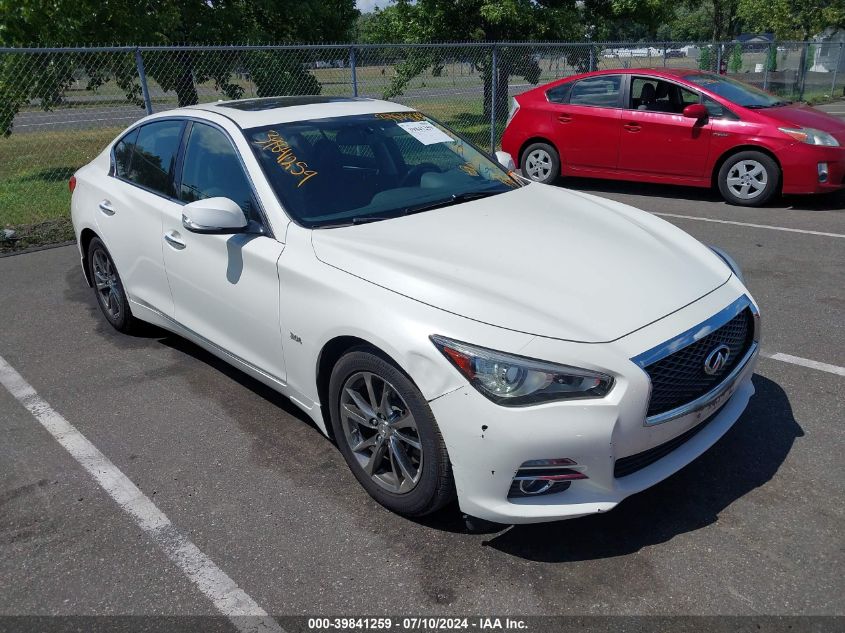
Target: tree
{"x": 475, "y": 20}
{"x": 689, "y": 23}
{"x": 705, "y": 58}
{"x": 772, "y": 59}
{"x": 160, "y": 22}
{"x": 735, "y": 60}
{"x": 628, "y": 20}
{"x": 701, "y": 20}
{"x": 792, "y": 19}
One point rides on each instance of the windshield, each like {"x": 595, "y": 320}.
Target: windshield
{"x": 735, "y": 91}
{"x": 364, "y": 168}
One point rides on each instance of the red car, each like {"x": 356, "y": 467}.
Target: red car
{"x": 677, "y": 126}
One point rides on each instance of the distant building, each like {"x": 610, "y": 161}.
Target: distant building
{"x": 829, "y": 51}
{"x": 755, "y": 41}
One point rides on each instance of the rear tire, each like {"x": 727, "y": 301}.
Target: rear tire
{"x": 749, "y": 179}
{"x": 108, "y": 288}
{"x": 389, "y": 439}
{"x": 541, "y": 163}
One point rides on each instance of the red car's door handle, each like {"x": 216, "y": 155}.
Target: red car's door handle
{"x": 564, "y": 118}
{"x": 632, "y": 127}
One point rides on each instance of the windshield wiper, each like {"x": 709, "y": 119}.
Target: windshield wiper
{"x": 759, "y": 106}
{"x": 363, "y": 219}
{"x": 455, "y": 198}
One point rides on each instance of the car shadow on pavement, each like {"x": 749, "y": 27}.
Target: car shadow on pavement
{"x": 147, "y": 334}
{"x": 179, "y": 344}
{"x": 822, "y": 202}
{"x": 746, "y": 458}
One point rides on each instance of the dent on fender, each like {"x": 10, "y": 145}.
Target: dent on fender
{"x": 430, "y": 378}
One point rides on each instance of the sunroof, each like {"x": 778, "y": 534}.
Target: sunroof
{"x": 271, "y": 103}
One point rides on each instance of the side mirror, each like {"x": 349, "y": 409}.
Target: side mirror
{"x": 214, "y": 215}
{"x": 505, "y": 160}
{"x": 695, "y": 111}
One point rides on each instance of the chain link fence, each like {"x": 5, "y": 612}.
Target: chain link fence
{"x": 60, "y": 107}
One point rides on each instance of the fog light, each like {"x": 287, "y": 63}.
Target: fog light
{"x": 823, "y": 173}
{"x": 544, "y": 476}
{"x": 534, "y": 486}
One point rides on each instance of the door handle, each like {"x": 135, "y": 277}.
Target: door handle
{"x": 632, "y": 127}
{"x": 564, "y": 118}
{"x": 175, "y": 240}
{"x": 106, "y": 208}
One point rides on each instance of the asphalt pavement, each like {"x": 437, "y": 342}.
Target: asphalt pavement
{"x": 754, "y": 526}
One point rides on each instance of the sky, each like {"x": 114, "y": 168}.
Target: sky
{"x": 365, "y": 6}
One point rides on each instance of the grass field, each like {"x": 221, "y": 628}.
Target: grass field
{"x": 34, "y": 173}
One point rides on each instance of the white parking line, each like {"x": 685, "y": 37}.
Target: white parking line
{"x": 756, "y": 226}
{"x": 806, "y": 362}
{"x": 227, "y": 597}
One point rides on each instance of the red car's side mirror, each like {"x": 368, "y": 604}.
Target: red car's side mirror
{"x": 695, "y": 111}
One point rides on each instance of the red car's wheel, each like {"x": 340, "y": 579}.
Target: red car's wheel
{"x": 749, "y": 179}
{"x": 541, "y": 163}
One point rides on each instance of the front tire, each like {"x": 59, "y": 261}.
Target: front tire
{"x": 749, "y": 179}
{"x": 108, "y": 288}
{"x": 388, "y": 435}
{"x": 541, "y": 163}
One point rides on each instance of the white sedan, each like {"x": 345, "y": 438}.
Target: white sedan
{"x": 535, "y": 352}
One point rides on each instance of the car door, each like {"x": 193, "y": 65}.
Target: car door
{"x": 656, "y": 137}
{"x": 131, "y": 205}
{"x": 727, "y": 130}
{"x": 225, "y": 287}
{"x": 585, "y": 116}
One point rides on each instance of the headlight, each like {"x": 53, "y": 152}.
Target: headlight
{"x": 810, "y": 136}
{"x": 514, "y": 381}
{"x": 735, "y": 269}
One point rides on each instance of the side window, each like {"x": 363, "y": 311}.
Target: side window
{"x": 601, "y": 91}
{"x": 689, "y": 97}
{"x": 212, "y": 169}
{"x": 155, "y": 156}
{"x": 559, "y": 94}
{"x": 655, "y": 95}
{"x": 123, "y": 153}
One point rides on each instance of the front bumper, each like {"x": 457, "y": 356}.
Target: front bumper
{"x": 487, "y": 443}
{"x": 800, "y": 163}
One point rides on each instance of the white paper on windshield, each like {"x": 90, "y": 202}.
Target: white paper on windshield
{"x": 425, "y": 132}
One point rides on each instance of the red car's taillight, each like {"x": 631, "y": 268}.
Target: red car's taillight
{"x": 514, "y": 110}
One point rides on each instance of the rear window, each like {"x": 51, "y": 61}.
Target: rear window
{"x": 154, "y": 156}
{"x": 602, "y": 91}
{"x": 123, "y": 153}
{"x": 559, "y": 94}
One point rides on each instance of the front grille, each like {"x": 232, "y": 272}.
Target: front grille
{"x": 680, "y": 378}
{"x": 625, "y": 466}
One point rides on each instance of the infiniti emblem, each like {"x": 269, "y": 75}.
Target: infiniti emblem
{"x": 716, "y": 359}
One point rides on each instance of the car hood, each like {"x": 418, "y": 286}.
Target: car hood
{"x": 806, "y": 116}
{"x": 539, "y": 260}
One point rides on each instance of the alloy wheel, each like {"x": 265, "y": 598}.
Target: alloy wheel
{"x": 747, "y": 179}
{"x": 107, "y": 283}
{"x": 538, "y": 165}
{"x": 381, "y": 432}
